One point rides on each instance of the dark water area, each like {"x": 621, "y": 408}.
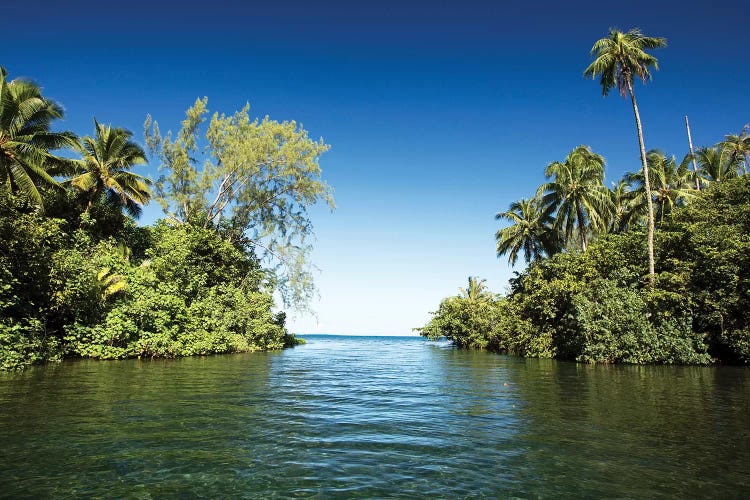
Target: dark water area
{"x": 373, "y": 417}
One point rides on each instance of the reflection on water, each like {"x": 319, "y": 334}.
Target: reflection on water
{"x": 373, "y": 417}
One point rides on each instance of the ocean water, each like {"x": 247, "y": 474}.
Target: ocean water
{"x": 373, "y": 417}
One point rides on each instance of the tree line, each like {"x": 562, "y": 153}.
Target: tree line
{"x": 575, "y": 205}
{"x": 79, "y": 278}
{"x": 653, "y": 269}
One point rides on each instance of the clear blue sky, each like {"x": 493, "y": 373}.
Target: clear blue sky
{"x": 439, "y": 113}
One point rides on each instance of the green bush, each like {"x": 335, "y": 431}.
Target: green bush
{"x": 68, "y": 287}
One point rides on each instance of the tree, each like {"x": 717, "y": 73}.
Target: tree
{"x": 622, "y": 212}
{"x": 530, "y": 230}
{"x": 619, "y": 58}
{"x": 576, "y": 190}
{"x": 717, "y": 163}
{"x": 26, "y": 139}
{"x": 255, "y": 185}
{"x": 738, "y": 147}
{"x": 476, "y": 289}
{"x": 105, "y": 169}
{"x": 671, "y": 184}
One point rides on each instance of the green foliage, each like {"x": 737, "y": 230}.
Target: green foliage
{"x": 85, "y": 280}
{"x": 104, "y": 169}
{"x": 613, "y": 324}
{"x": 621, "y": 57}
{"x": 195, "y": 293}
{"x": 576, "y": 191}
{"x": 26, "y": 140}
{"x": 258, "y": 180}
{"x": 671, "y": 185}
{"x": 530, "y": 230}
{"x": 464, "y": 320}
{"x": 597, "y": 307}
{"x": 182, "y": 291}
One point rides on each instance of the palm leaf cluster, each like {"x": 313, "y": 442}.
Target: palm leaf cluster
{"x": 104, "y": 169}
{"x": 574, "y": 205}
{"x": 26, "y": 140}
{"x": 724, "y": 160}
{"x": 28, "y": 164}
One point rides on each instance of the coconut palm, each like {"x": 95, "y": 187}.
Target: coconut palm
{"x": 575, "y": 189}
{"x": 26, "y": 139}
{"x": 531, "y": 231}
{"x": 671, "y": 184}
{"x": 477, "y": 289}
{"x": 738, "y": 148}
{"x": 717, "y": 163}
{"x": 104, "y": 169}
{"x": 619, "y": 58}
{"x": 622, "y": 212}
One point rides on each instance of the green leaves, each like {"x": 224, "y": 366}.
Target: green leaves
{"x": 26, "y": 139}
{"x": 104, "y": 169}
{"x": 531, "y": 231}
{"x": 255, "y": 185}
{"x": 621, "y": 56}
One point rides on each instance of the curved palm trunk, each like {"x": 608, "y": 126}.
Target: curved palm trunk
{"x": 647, "y": 184}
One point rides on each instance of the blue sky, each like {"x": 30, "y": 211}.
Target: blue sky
{"x": 439, "y": 114}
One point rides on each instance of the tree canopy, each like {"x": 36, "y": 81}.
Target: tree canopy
{"x": 251, "y": 179}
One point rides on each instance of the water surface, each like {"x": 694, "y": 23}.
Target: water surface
{"x": 373, "y": 417}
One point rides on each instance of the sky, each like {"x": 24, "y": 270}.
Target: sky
{"x": 439, "y": 114}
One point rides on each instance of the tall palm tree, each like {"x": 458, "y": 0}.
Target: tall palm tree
{"x": 717, "y": 163}
{"x": 26, "y": 139}
{"x": 575, "y": 188}
{"x": 531, "y": 230}
{"x": 738, "y": 147}
{"x": 671, "y": 184}
{"x": 104, "y": 169}
{"x": 619, "y": 58}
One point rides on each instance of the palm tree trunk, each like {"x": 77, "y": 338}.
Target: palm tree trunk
{"x": 661, "y": 215}
{"x": 692, "y": 154}
{"x": 647, "y": 184}
{"x": 581, "y": 229}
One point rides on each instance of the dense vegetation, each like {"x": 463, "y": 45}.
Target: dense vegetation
{"x": 79, "y": 278}
{"x": 599, "y": 305}
{"x": 655, "y": 269}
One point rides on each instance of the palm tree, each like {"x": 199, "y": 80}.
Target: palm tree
{"x": 105, "y": 169}
{"x": 576, "y": 190}
{"x": 738, "y": 147}
{"x": 717, "y": 163}
{"x": 531, "y": 230}
{"x": 622, "y": 213}
{"x": 618, "y": 59}
{"x": 477, "y": 290}
{"x": 26, "y": 139}
{"x": 671, "y": 184}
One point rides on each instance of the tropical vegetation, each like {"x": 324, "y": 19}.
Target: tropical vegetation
{"x": 80, "y": 278}
{"x": 654, "y": 269}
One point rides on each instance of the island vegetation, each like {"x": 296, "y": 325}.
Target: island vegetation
{"x": 79, "y": 277}
{"x": 654, "y": 269}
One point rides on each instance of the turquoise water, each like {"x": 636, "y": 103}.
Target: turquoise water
{"x": 373, "y": 417}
